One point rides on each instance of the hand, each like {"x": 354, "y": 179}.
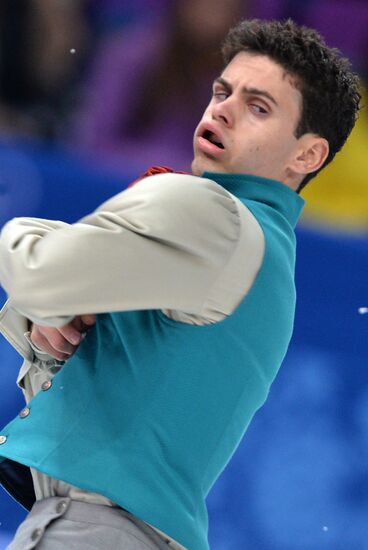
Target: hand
{"x": 61, "y": 343}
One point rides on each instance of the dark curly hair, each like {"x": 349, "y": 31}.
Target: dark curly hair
{"x": 329, "y": 88}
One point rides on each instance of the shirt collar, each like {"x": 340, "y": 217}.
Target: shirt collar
{"x": 263, "y": 190}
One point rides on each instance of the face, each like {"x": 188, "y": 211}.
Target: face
{"x": 249, "y": 124}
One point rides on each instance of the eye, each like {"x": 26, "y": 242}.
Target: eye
{"x": 258, "y": 109}
{"x": 220, "y": 95}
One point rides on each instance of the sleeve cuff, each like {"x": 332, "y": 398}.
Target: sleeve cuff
{"x": 13, "y": 325}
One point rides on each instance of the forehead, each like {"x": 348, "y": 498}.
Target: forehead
{"x": 259, "y": 71}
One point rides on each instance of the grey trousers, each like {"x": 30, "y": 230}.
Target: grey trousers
{"x": 58, "y": 523}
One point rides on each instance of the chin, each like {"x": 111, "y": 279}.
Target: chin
{"x": 196, "y": 168}
{"x": 205, "y": 164}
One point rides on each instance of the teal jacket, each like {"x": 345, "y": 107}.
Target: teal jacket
{"x": 149, "y": 410}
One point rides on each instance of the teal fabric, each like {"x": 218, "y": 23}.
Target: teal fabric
{"x": 150, "y": 410}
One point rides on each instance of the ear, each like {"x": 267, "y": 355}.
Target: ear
{"x": 311, "y": 153}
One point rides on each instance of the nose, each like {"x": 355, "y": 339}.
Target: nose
{"x": 224, "y": 112}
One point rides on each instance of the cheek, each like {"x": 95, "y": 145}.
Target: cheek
{"x": 272, "y": 144}
{"x": 207, "y": 111}
{"x": 253, "y": 146}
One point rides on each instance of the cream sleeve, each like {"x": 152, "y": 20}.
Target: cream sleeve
{"x": 161, "y": 244}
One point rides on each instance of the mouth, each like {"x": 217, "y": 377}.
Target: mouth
{"x": 212, "y": 138}
{"x": 210, "y": 143}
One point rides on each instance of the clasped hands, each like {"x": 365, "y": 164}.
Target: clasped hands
{"x": 62, "y": 342}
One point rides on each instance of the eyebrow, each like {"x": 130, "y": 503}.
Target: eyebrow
{"x": 245, "y": 90}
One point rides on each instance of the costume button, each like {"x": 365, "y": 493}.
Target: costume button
{"x": 46, "y": 385}
{"x": 36, "y": 534}
{"x": 24, "y": 413}
{"x": 3, "y": 439}
{"x": 61, "y": 506}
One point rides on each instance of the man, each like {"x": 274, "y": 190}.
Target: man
{"x": 153, "y": 328}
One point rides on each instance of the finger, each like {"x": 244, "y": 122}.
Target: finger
{"x": 84, "y": 323}
{"x": 77, "y": 323}
{"x": 71, "y": 333}
{"x": 89, "y": 319}
{"x": 57, "y": 340}
{"x": 42, "y": 344}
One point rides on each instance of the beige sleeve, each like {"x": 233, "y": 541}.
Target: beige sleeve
{"x": 162, "y": 244}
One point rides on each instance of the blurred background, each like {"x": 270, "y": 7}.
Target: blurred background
{"x": 92, "y": 92}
